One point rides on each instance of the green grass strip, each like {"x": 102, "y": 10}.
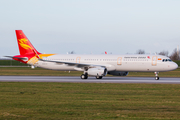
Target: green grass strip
{"x": 81, "y": 101}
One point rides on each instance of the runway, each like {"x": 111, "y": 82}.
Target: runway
{"x": 89, "y": 80}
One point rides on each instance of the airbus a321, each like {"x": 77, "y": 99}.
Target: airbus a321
{"x": 92, "y": 65}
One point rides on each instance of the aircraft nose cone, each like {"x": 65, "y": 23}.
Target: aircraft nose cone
{"x": 174, "y": 66}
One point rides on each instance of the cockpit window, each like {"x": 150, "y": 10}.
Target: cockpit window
{"x": 166, "y": 60}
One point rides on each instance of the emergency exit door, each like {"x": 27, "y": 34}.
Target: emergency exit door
{"x": 154, "y": 60}
{"x": 119, "y": 61}
{"x": 78, "y": 59}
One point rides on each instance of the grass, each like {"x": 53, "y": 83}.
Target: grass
{"x": 44, "y": 72}
{"x": 24, "y": 100}
{"x": 89, "y": 101}
{"x": 174, "y": 73}
{"x": 36, "y": 72}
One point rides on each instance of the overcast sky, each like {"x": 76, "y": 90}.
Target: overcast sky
{"x": 91, "y": 26}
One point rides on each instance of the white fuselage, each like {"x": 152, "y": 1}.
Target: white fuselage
{"x": 136, "y": 63}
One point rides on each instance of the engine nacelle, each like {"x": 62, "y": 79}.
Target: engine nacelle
{"x": 118, "y": 73}
{"x": 100, "y": 71}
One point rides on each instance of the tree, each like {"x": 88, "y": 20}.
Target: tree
{"x": 175, "y": 55}
{"x": 71, "y": 52}
{"x": 165, "y": 53}
{"x": 140, "y": 51}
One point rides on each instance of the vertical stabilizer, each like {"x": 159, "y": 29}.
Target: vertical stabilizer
{"x": 25, "y": 46}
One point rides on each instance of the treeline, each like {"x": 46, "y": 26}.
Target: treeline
{"x": 175, "y": 55}
{"x": 11, "y": 63}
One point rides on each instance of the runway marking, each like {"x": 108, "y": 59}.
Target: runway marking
{"x": 89, "y": 80}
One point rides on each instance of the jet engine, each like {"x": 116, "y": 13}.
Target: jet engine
{"x": 118, "y": 73}
{"x": 100, "y": 71}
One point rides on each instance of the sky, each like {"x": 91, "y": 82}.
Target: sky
{"x": 91, "y": 26}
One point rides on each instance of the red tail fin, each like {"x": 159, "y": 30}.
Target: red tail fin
{"x": 25, "y": 46}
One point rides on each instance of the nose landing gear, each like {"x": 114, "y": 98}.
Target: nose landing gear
{"x": 156, "y": 77}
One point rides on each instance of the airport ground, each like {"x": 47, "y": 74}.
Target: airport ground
{"x": 59, "y": 100}
{"x": 43, "y": 72}
{"x": 40, "y": 100}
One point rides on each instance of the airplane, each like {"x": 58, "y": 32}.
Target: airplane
{"x": 92, "y": 65}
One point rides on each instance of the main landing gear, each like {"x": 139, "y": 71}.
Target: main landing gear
{"x": 84, "y": 76}
{"x": 157, "y": 77}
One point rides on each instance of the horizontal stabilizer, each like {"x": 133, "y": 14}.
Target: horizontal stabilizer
{"x": 20, "y": 58}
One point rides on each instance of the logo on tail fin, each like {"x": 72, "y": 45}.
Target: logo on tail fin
{"x": 23, "y": 43}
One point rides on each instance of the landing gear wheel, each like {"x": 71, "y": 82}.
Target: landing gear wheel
{"x": 98, "y": 77}
{"x": 156, "y": 73}
{"x": 157, "y": 78}
{"x": 84, "y": 76}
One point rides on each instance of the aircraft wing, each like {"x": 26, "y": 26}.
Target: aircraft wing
{"x": 80, "y": 65}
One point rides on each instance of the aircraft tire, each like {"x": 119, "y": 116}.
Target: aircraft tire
{"x": 83, "y": 76}
{"x": 98, "y": 77}
{"x": 157, "y": 78}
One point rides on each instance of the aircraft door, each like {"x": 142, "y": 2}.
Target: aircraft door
{"x": 154, "y": 60}
{"x": 78, "y": 59}
{"x": 119, "y": 61}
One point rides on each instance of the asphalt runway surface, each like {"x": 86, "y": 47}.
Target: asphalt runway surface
{"x": 76, "y": 79}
